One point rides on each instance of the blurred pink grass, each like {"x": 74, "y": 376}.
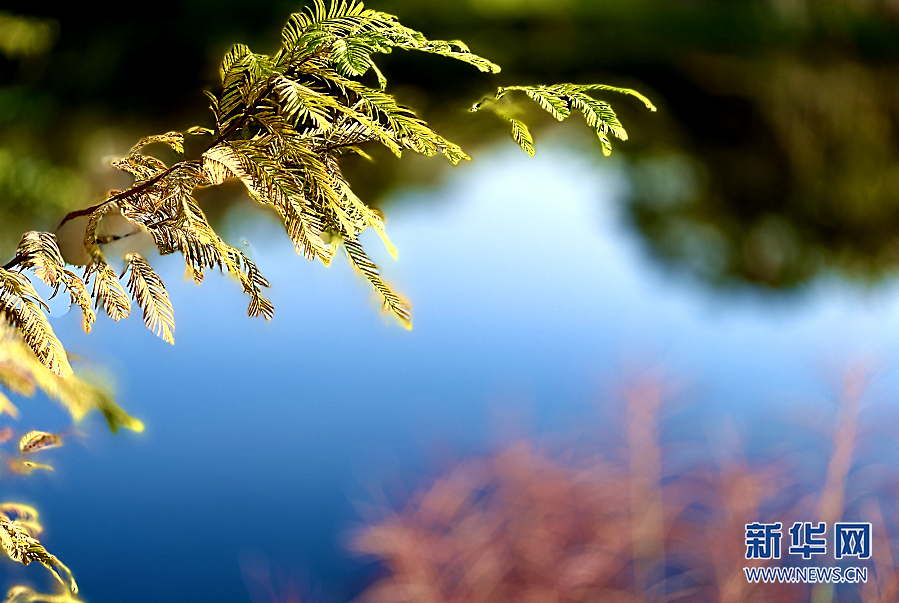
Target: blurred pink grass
{"x": 525, "y": 526}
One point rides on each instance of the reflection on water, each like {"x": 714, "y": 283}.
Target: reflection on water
{"x": 656, "y": 514}
{"x": 529, "y": 291}
{"x": 796, "y": 179}
{"x": 777, "y": 124}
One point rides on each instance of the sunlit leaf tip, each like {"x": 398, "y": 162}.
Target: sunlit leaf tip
{"x": 558, "y": 100}
{"x": 150, "y": 293}
{"x": 522, "y": 136}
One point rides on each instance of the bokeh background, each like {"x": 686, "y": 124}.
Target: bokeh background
{"x": 738, "y": 252}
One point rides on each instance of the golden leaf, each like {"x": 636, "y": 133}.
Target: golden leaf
{"x": 149, "y": 291}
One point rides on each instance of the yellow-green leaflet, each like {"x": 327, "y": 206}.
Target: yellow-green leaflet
{"x": 38, "y": 440}
{"x": 25, "y": 467}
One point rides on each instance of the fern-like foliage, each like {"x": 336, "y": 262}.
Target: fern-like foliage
{"x": 522, "y": 136}
{"x": 24, "y": 308}
{"x": 39, "y": 252}
{"x": 149, "y": 291}
{"x": 558, "y": 100}
{"x": 22, "y": 373}
{"x": 281, "y": 124}
{"x": 18, "y": 528}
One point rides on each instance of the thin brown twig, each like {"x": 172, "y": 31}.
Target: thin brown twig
{"x": 19, "y": 258}
{"x": 137, "y": 188}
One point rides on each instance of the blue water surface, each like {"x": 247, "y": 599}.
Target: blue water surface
{"x": 531, "y": 295}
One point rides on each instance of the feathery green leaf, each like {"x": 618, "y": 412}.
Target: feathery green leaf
{"x": 149, "y": 292}
{"x": 522, "y": 136}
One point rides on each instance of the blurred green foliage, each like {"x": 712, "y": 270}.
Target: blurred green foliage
{"x": 24, "y": 36}
{"x": 774, "y": 156}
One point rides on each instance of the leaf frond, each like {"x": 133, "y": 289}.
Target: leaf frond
{"x": 23, "y": 307}
{"x": 522, "y": 136}
{"x": 173, "y": 139}
{"x": 108, "y": 291}
{"x": 391, "y": 301}
{"x": 149, "y": 292}
{"x": 23, "y": 547}
{"x": 41, "y": 254}
{"x": 559, "y": 99}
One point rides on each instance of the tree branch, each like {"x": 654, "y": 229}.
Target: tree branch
{"x": 117, "y": 197}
